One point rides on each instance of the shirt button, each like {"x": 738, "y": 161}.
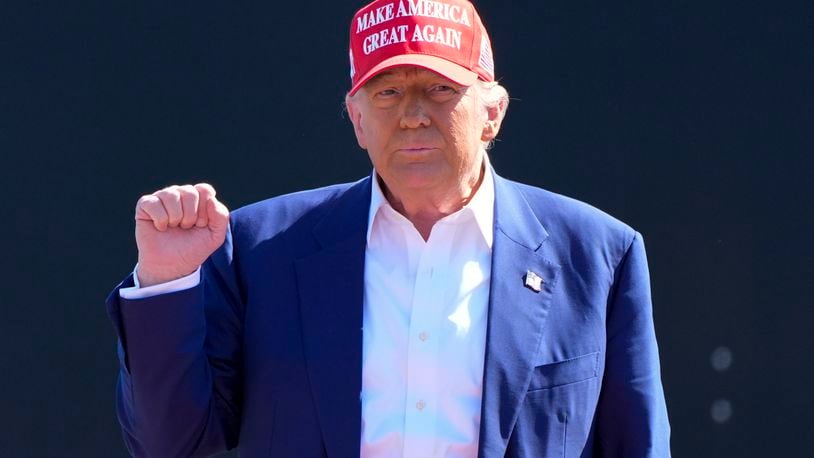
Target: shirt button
{"x": 423, "y": 336}
{"x": 420, "y": 405}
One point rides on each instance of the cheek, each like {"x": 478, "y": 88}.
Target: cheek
{"x": 375, "y": 142}
{"x": 466, "y": 129}
{"x": 376, "y": 129}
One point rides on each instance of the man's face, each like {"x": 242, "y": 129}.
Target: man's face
{"x": 422, "y": 132}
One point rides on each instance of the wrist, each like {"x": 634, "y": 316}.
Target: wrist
{"x": 150, "y": 276}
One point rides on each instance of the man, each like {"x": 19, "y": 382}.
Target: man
{"x": 432, "y": 309}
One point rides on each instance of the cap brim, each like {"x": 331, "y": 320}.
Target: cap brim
{"x": 443, "y": 67}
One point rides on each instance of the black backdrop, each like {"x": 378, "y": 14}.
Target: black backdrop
{"x": 688, "y": 120}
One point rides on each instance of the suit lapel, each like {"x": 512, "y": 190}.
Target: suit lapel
{"x": 517, "y": 314}
{"x": 331, "y": 286}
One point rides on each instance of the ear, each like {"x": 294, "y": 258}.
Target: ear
{"x": 494, "y": 118}
{"x": 356, "y": 119}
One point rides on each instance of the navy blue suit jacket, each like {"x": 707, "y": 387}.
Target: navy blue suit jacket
{"x": 265, "y": 353}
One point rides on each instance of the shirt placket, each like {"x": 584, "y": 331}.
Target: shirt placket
{"x": 422, "y": 402}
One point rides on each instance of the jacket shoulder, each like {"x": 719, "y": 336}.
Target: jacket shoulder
{"x": 266, "y": 218}
{"x": 576, "y": 223}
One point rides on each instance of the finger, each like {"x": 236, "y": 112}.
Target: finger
{"x": 205, "y": 193}
{"x": 189, "y": 205}
{"x": 171, "y": 200}
{"x": 149, "y": 208}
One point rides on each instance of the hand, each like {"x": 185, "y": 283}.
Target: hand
{"x": 177, "y": 228}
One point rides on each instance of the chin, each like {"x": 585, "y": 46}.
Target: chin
{"x": 419, "y": 179}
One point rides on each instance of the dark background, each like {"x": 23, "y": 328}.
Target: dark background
{"x": 690, "y": 121}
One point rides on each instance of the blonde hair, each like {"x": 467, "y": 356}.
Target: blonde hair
{"x": 493, "y": 95}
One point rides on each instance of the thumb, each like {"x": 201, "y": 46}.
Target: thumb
{"x": 218, "y": 215}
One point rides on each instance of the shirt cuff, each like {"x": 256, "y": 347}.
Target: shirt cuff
{"x": 179, "y": 284}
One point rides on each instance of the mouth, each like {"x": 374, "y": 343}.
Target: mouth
{"x": 416, "y": 149}
{"x": 416, "y": 154}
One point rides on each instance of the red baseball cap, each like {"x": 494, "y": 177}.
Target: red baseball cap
{"x": 445, "y": 36}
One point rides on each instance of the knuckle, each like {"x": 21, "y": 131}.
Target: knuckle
{"x": 144, "y": 200}
{"x": 170, "y": 193}
{"x": 187, "y": 190}
{"x": 205, "y": 188}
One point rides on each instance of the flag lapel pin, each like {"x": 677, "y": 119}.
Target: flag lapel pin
{"x": 533, "y": 281}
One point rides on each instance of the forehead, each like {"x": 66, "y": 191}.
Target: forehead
{"x": 405, "y": 72}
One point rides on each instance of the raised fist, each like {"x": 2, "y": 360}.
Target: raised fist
{"x": 177, "y": 228}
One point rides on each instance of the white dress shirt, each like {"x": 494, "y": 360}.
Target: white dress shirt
{"x": 424, "y": 335}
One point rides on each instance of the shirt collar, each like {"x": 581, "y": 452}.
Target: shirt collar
{"x": 481, "y": 205}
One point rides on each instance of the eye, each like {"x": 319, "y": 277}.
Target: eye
{"x": 443, "y": 89}
{"x": 387, "y": 93}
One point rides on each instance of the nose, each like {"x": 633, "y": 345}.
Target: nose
{"x": 413, "y": 113}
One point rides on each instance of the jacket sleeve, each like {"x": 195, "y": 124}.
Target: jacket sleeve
{"x": 632, "y": 414}
{"x": 179, "y": 389}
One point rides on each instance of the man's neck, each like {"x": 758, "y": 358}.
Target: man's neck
{"x": 426, "y": 210}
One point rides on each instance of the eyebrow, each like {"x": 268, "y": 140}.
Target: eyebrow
{"x": 393, "y": 71}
